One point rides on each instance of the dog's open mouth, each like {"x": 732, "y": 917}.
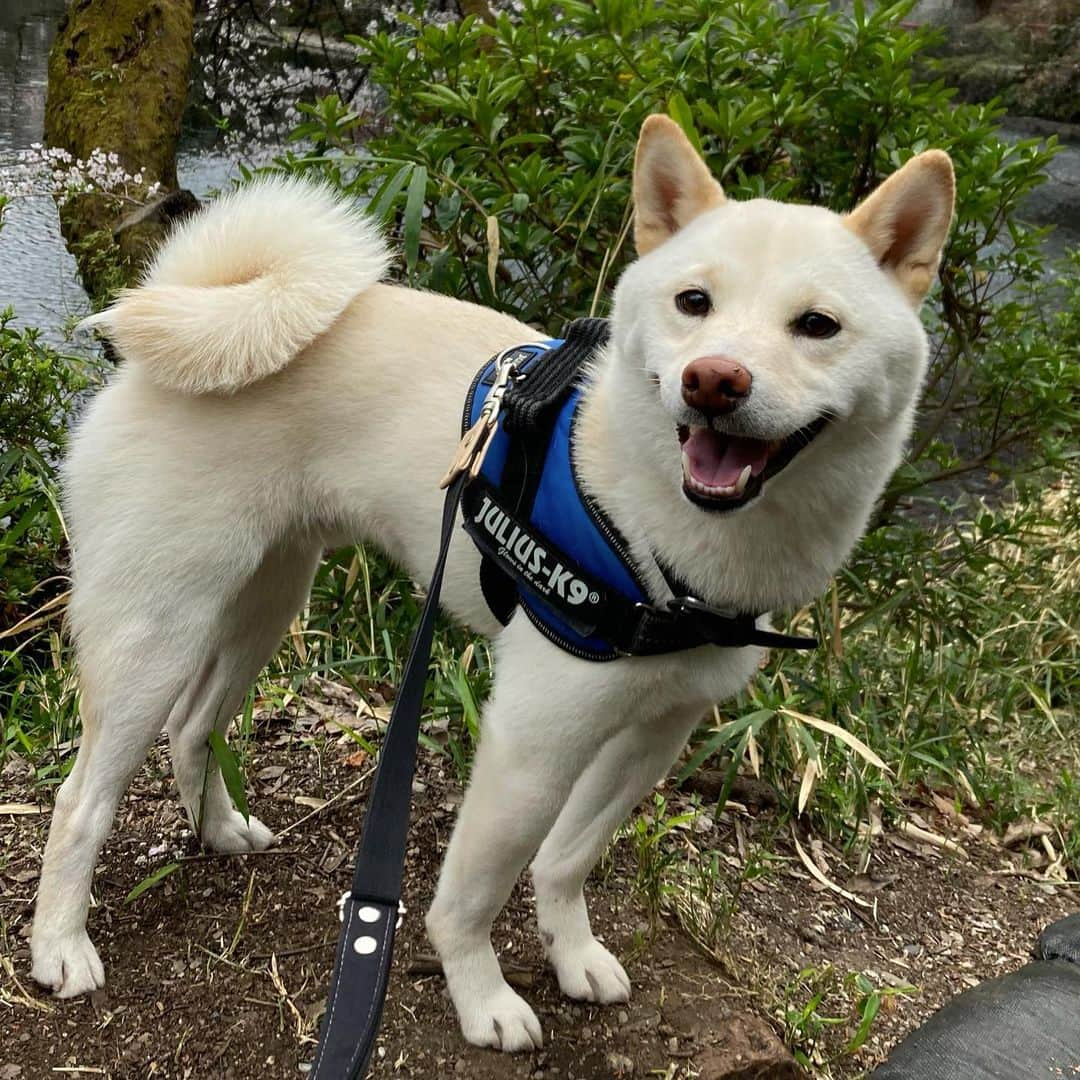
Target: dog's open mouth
{"x": 723, "y": 472}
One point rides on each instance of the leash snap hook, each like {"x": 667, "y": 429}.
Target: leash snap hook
{"x": 475, "y": 442}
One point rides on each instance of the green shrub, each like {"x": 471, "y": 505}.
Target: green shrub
{"x": 38, "y": 388}
{"x": 505, "y": 155}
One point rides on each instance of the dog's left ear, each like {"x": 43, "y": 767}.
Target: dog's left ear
{"x": 672, "y": 185}
{"x": 905, "y": 221}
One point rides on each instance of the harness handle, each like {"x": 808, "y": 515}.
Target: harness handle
{"x": 544, "y": 387}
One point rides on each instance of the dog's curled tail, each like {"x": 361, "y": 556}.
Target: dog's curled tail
{"x": 240, "y": 288}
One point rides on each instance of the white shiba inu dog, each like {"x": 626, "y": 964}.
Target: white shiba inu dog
{"x": 276, "y": 399}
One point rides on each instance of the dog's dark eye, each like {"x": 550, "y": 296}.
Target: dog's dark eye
{"x": 693, "y": 302}
{"x": 815, "y": 324}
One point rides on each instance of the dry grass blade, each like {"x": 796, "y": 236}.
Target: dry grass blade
{"x": 1021, "y": 831}
{"x": 43, "y": 615}
{"x": 494, "y": 244}
{"x": 837, "y": 732}
{"x": 22, "y": 808}
{"x": 20, "y": 997}
{"x": 819, "y": 877}
{"x": 304, "y": 1028}
{"x": 809, "y": 778}
{"x": 914, "y": 832}
{"x": 296, "y": 636}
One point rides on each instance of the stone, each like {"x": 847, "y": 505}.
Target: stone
{"x": 747, "y": 1049}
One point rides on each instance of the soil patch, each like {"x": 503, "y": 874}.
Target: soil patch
{"x": 221, "y": 968}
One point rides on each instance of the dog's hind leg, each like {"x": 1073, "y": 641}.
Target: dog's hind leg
{"x": 625, "y": 770}
{"x": 152, "y": 648}
{"x": 252, "y": 629}
{"x": 124, "y": 705}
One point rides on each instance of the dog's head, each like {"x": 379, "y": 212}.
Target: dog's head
{"x": 758, "y": 326}
{"x": 766, "y": 366}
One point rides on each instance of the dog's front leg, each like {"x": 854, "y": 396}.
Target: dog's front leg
{"x": 625, "y": 770}
{"x": 538, "y": 734}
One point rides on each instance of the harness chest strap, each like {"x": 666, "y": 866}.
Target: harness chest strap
{"x": 591, "y": 607}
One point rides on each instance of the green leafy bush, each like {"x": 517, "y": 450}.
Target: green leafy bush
{"x": 38, "y": 388}
{"x": 505, "y": 150}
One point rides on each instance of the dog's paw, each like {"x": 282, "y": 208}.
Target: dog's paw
{"x": 502, "y": 1020}
{"x": 232, "y": 835}
{"x": 590, "y": 973}
{"x": 68, "y": 966}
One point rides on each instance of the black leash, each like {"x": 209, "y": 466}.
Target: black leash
{"x": 369, "y": 911}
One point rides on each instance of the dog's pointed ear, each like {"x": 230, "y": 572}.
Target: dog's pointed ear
{"x": 672, "y": 185}
{"x": 906, "y": 220}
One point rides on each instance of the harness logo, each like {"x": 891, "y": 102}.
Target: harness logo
{"x": 530, "y": 559}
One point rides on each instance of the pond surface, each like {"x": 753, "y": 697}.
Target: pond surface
{"x": 37, "y": 275}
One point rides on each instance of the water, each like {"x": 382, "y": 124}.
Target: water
{"x": 38, "y": 276}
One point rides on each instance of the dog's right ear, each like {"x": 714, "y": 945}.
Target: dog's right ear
{"x": 672, "y": 185}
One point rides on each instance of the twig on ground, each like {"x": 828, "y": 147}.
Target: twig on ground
{"x": 429, "y": 964}
{"x": 329, "y": 802}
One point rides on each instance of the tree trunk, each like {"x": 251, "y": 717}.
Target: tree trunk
{"x": 118, "y": 80}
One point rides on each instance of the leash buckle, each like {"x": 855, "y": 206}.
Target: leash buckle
{"x": 344, "y": 898}
{"x": 475, "y": 442}
{"x": 721, "y": 626}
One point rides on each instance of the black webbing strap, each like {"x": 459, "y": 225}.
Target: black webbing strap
{"x": 546, "y": 384}
{"x": 369, "y": 911}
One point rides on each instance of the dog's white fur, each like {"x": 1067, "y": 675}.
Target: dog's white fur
{"x": 277, "y": 400}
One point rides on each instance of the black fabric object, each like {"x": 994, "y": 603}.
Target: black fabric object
{"x": 1060, "y": 940}
{"x": 1022, "y": 1026}
{"x": 370, "y": 910}
{"x": 526, "y": 405}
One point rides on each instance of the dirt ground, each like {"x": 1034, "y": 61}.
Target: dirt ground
{"x": 220, "y": 969}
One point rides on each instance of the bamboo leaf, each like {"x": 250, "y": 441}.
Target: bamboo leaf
{"x": 148, "y": 882}
{"x": 679, "y": 111}
{"x": 384, "y": 198}
{"x": 725, "y": 734}
{"x": 837, "y": 732}
{"x": 809, "y": 779}
{"x": 230, "y": 771}
{"x": 414, "y": 215}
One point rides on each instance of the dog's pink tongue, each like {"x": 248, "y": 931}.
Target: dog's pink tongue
{"x": 718, "y": 460}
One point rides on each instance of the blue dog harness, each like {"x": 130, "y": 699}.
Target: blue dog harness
{"x": 547, "y": 546}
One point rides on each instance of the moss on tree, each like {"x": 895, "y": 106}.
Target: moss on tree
{"x": 118, "y": 80}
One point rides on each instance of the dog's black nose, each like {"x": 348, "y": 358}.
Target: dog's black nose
{"x": 715, "y": 384}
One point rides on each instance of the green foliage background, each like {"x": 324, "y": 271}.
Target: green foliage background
{"x": 504, "y": 155}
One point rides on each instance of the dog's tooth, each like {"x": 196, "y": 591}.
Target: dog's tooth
{"x": 744, "y": 479}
